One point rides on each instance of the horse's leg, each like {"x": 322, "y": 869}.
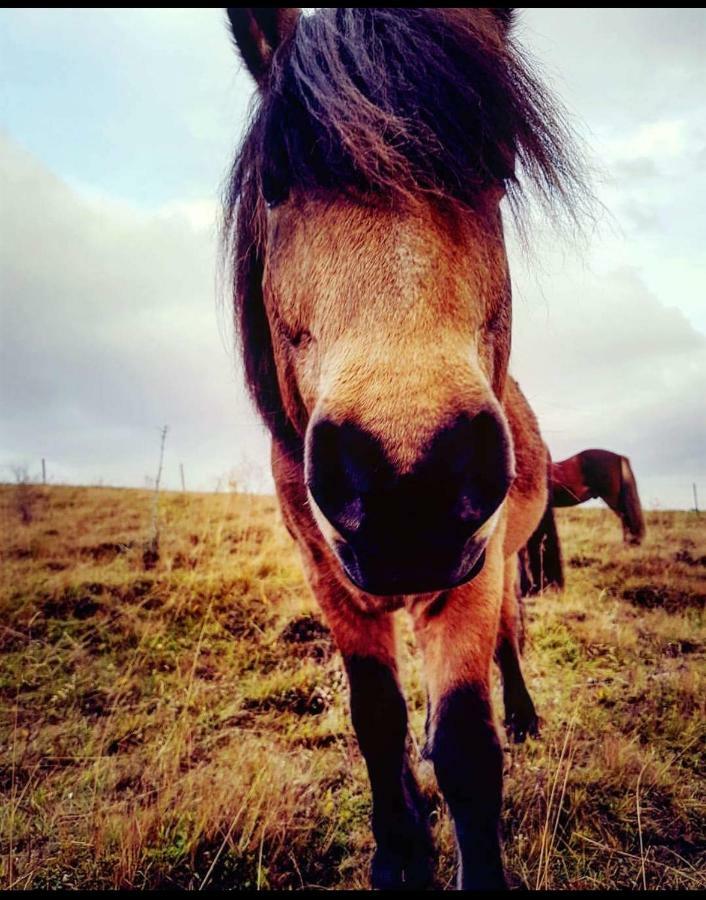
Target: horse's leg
{"x": 553, "y": 565}
{"x": 525, "y": 571}
{"x": 534, "y": 550}
{"x": 520, "y": 715}
{"x": 404, "y": 854}
{"x": 457, "y": 633}
{"x": 543, "y": 556}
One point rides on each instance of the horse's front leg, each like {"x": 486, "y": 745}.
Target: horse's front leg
{"x": 403, "y": 856}
{"x": 457, "y": 633}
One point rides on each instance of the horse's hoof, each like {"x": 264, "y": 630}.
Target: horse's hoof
{"x": 522, "y": 721}
{"x": 391, "y": 873}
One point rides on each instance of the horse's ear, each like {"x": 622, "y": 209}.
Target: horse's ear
{"x": 505, "y": 17}
{"x": 258, "y": 32}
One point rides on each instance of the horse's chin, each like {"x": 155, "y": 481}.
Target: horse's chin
{"x": 394, "y": 583}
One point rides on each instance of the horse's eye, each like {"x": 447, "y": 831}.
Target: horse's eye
{"x": 300, "y": 338}
{"x": 274, "y": 191}
{"x": 273, "y": 200}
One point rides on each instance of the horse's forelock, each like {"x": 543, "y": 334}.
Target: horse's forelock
{"x": 398, "y": 102}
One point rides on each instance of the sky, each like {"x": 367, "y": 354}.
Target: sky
{"x": 117, "y": 130}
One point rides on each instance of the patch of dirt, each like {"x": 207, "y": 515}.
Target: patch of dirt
{"x": 182, "y": 561}
{"x": 119, "y": 745}
{"x": 106, "y": 551}
{"x": 252, "y": 534}
{"x": 150, "y": 556}
{"x": 78, "y": 602}
{"x": 582, "y": 562}
{"x": 85, "y": 608}
{"x": 244, "y": 620}
{"x": 684, "y": 556}
{"x": 136, "y": 590}
{"x": 94, "y": 703}
{"x": 297, "y": 701}
{"x": 127, "y": 783}
{"x": 304, "y": 629}
{"x": 682, "y": 648}
{"x": 669, "y": 599}
{"x": 207, "y": 672}
{"x": 314, "y": 742}
{"x": 20, "y": 553}
{"x": 312, "y": 637}
{"x": 576, "y": 616}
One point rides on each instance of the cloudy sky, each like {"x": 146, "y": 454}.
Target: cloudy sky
{"x": 116, "y": 130}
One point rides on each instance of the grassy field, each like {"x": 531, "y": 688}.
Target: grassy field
{"x": 186, "y": 725}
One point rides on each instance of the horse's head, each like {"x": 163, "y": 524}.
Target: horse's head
{"x": 372, "y": 290}
{"x": 391, "y": 338}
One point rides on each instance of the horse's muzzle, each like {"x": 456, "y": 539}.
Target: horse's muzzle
{"x": 420, "y": 531}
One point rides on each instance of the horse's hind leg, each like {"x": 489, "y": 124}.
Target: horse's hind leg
{"x": 520, "y": 715}
{"x": 404, "y": 855}
{"x": 542, "y": 556}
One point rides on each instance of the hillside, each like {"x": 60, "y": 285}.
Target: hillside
{"x": 186, "y": 724}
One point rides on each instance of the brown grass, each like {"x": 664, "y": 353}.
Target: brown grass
{"x": 187, "y": 726}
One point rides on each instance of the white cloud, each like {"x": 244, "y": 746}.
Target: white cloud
{"x": 110, "y": 328}
{"x": 607, "y": 364}
{"x": 655, "y": 140}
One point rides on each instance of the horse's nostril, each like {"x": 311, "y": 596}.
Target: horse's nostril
{"x": 471, "y": 462}
{"x": 467, "y": 509}
{"x": 344, "y": 466}
{"x": 350, "y": 516}
{"x": 458, "y": 482}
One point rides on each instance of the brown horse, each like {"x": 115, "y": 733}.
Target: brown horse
{"x": 602, "y": 474}
{"x": 372, "y": 302}
{"x": 589, "y": 475}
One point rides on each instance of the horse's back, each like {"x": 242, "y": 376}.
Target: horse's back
{"x": 527, "y": 499}
{"x": 590, "y": 473}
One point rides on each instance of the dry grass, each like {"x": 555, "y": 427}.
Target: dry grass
{"x": 187, "y": 726}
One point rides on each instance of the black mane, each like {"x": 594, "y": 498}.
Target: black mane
{"x": 403, "y": 101}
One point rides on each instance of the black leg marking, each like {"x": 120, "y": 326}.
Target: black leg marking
{"x": 404, "y": 856}
{"x": 468, "y": 761}
{"x": 520, "y": 715}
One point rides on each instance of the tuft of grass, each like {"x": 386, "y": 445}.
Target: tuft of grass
{"x": 187, "y": 727}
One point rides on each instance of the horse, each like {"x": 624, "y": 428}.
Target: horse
{"x": 372, "y": 307}
{"x": 602, "y": 474}
{"x": 588, "y": 475}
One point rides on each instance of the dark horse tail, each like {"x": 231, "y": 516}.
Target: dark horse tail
{"x": 630, "y": 505}
{"x": 541, "y": 564}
